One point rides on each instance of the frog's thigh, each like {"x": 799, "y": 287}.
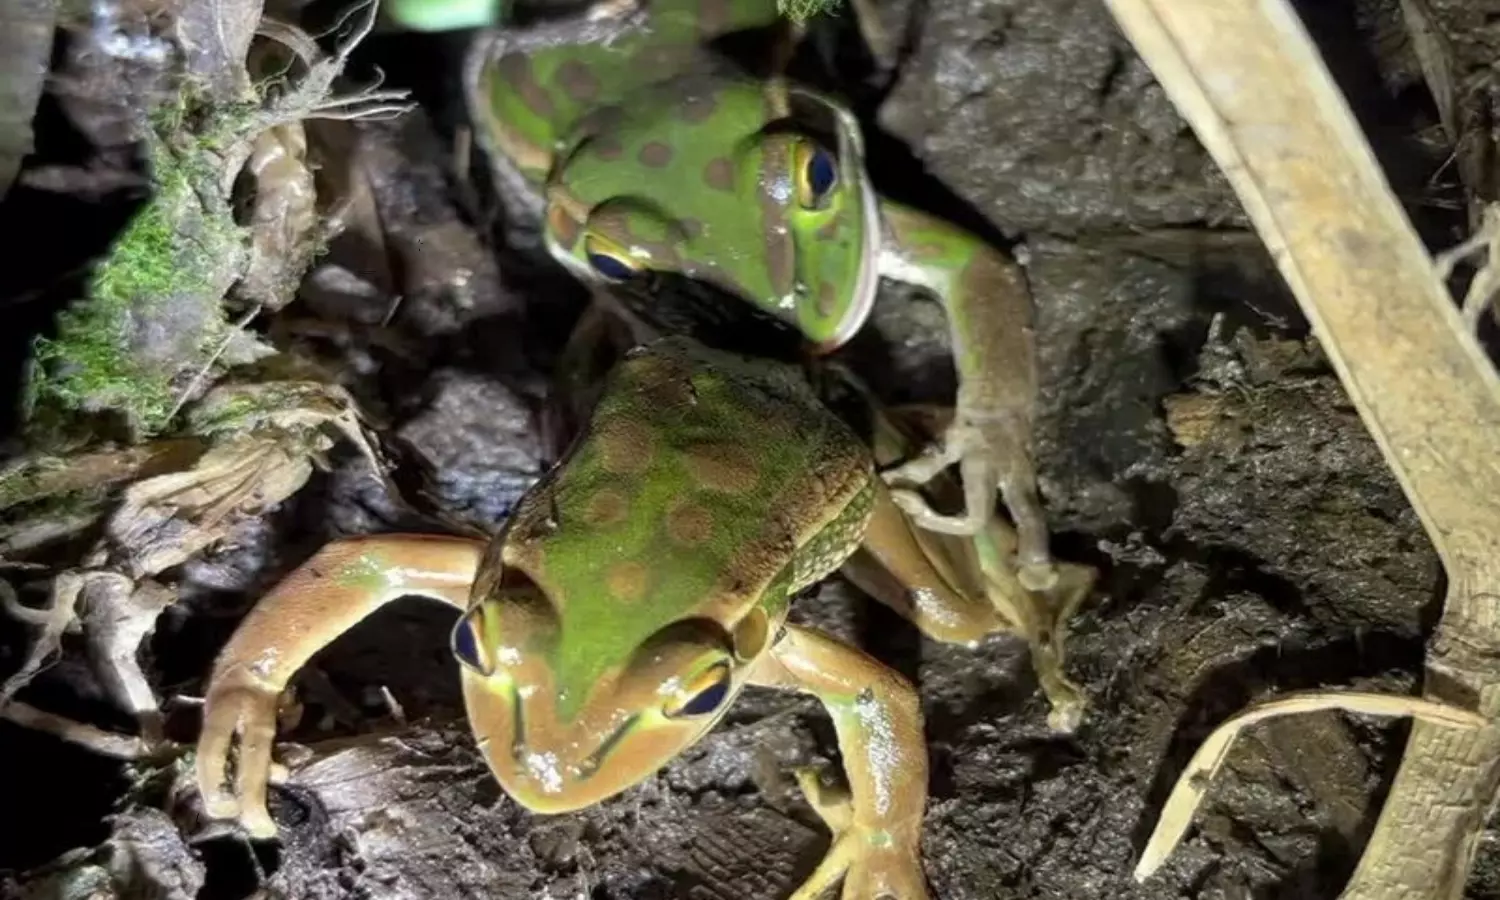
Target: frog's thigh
{"x": 921, "y": 577}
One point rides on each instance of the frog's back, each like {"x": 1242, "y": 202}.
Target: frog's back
{"x": 535, "y": 98}
{"x": 704, "y": 484}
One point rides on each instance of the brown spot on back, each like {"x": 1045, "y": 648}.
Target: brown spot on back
{"x": 671, "y": 389}
{"x": 578, "y": 81}
{"x": 698, "y": 107}
{"x": 655, "y": 155}
{"x": 727, "y": 468}
{"x": 692, "y": 229}
{"x": 606, "y": 508}
{"x": 515, "y": 69}
{"x": 828, "y": 299}
{"x": 563, "y": 226}
{"x": 719, "y": 173}
{"x": 625, "y": 447}
{"x": 607, "y": 147}
{"x": 601, "y": 120}
{"x": 689, "y": 524}
{"x": 626, "y": 581}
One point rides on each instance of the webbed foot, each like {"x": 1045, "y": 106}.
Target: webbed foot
{"x": 239, "y": 706}
{"x": 990, "y": 459}
{"x": 875, "y": 864}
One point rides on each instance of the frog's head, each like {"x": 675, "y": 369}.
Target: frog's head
{"x": 759, "y": 191}
{"x": 571, "y": 703}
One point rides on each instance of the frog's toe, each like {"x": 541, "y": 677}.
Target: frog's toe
{"x": 221, "y": 805}
{"x": 830, "y": 800}
{"x": 1038, "y": 576}
{"x": 925, "y": 517}
{"x": 257, "y": 821}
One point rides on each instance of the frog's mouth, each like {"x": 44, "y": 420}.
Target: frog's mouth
{"x": 868, "y": 281}
{"x": 851, "y": 156}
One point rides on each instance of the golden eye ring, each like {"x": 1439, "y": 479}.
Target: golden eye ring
{"x": 469, "y": 643}
{"x": 816, "y": 174}
{"x": 701, "y": 696}
{"x": 610, "y": 259}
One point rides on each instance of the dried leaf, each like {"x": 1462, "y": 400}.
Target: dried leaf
{"x": 118, "y": 616}
{"x": 50, "y": 622}
{"x": 166, "y": 520}
{"x": 284, "y": 228}
{"x": 265, "y": 439}
{"x": 1193, "y": 783}
{"x": 1436, "y": 59}
{"x": 97, "y": 740}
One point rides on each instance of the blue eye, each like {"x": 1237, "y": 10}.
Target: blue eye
{"x": 821, "y": 172}
{"x": 466, "y": 642}
{"x": 609, "y": 259}
{"x": 705, "y": 696}
{"x": 610, "y": 267}
{"x": 817, "y": 174}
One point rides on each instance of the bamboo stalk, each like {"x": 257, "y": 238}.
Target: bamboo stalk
{"x": 1249, "y": 80}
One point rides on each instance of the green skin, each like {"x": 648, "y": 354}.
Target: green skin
{"x": 638, "y": 587}
{"x": 632, "y": 594}
{"x": 644, "y": 158}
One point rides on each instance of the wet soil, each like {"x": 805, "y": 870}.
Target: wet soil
{"x": 1193, "y": 444}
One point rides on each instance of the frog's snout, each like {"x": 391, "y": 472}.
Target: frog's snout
{"x": 551, "y": 766}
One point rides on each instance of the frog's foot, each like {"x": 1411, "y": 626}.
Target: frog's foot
{"x": 990, "y": 459}
{"x": 238, "y": 705}
{"x": 873, "y": 865}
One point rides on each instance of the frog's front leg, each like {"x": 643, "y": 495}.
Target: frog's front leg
{"x": 327, "y": 595}
{"x": 878, "y": 720}
{"x": 989, "y": 313}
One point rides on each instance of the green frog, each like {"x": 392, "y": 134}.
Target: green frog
{"x": 644, "y": 157}
{"x": 636, "y": 590}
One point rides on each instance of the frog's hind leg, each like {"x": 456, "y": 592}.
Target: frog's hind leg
{"x": 989, "y": 310}
{"x": 960, "y": 588}
{"x": 528, "y": 86}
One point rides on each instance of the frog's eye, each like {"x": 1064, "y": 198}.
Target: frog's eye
{"x": 468, "y": 642}
{"x": 610, "y": 260}
{"x": 817, "y": 174}
{"x": 701, "y": 696}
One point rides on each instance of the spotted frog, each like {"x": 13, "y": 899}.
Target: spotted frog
{"x": 634, "y": 592}
{"x": 645, "y": 157}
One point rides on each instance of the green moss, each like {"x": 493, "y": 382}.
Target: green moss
{"x": 168, "y": 254}
{"x": 802, "y": 10}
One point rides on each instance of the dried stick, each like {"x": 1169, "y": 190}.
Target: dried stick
{"x": 1177, "y": 812}
{"x": 1246, "y": 76}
